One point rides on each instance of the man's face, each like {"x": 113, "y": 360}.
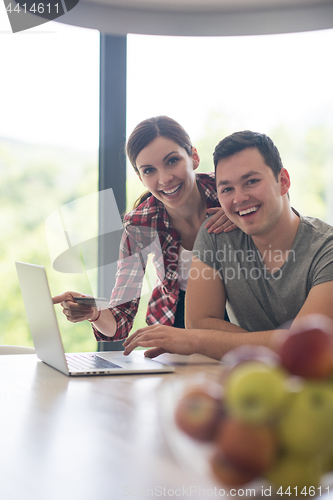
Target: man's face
{"x": 249, "y": 192}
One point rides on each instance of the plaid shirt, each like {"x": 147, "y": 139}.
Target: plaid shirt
{"x": 148, "y": 230}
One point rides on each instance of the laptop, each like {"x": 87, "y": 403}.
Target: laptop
{"x": 47, "y": 339}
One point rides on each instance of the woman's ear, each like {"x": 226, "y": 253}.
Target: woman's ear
{"x": 138, "y": 174}
{"x": 284, "y": 181}
{"x": 196, "y": 158}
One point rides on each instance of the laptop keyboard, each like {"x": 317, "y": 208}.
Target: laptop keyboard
{"x": 88, "y": 362}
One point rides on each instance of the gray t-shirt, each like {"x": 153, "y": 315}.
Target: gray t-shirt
{"x": 258, "y": 300}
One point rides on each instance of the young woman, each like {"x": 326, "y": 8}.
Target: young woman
{"x": 165, "y": 221}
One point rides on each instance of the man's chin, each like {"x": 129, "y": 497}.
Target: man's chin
{"x": 247, "y": 229}
{"x": 250, "y": 230}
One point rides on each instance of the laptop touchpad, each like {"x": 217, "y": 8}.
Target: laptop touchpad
{"x": 130, "y": 361}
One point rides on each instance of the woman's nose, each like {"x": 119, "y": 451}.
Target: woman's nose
{"x": 165, "y": 178}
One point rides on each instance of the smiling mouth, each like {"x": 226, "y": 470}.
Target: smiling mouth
{"x": 171, "y": 191}
{"x": 248, "y": 211}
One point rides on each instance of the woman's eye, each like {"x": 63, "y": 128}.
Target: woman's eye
{"x": 172, "y": 160}
{"x": 148, "y": 170}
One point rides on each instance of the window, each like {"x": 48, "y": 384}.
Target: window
{"x": 276, "y": 84}
{"x": 49, "y": 101}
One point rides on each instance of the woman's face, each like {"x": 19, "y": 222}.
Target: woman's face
{"x": 167, "y": 171}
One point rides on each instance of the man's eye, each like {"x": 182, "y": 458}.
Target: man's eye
{"x": 253, "y": 181}
{"x": 225, "y": 190}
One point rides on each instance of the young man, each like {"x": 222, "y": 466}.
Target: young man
{"x": 277, "y": 266}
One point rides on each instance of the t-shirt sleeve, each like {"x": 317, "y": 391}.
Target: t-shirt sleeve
{"x": 322, "y": 270}
{"x": 205, "y": 246}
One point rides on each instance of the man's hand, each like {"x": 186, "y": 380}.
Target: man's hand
{"x": 219, "y": 222}
{"x": 161, "y": 339}
{"x": 73, "y": 311}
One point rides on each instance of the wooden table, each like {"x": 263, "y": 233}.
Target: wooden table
{"x": 87, "y": 438}
{"x": 93, "y": 438}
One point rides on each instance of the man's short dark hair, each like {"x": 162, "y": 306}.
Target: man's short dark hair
{"x": 238, "y": 141}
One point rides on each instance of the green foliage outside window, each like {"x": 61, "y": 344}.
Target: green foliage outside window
{"x": 34, "y": 182}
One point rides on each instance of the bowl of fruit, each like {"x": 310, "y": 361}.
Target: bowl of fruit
{"x": 268, "y": 421}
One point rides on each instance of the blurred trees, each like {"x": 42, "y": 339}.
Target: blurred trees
{"x": 34, "y": 182}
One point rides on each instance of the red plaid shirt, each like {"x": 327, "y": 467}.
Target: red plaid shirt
{"x": 148, "y": 229}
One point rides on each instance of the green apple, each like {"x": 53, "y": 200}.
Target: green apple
{"x": 290, "y": 472}
{"x": 307, "y": 428}
{"x": 256, "y": 392}
{"x": 329, "y": 463}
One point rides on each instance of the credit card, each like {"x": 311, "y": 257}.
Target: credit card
{"x": 99, "y": 302}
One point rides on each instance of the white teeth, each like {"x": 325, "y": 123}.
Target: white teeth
{"x": 172, "y": 191}
{"x": 248, "y": 210}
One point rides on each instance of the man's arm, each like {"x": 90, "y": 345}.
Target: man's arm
{"x": 319, "y": 300}
{"x": 205, "y": 305}
{"x": 205, "y": 299}
{"x": 204, "y": 313}
{"x": 207, "y": 333}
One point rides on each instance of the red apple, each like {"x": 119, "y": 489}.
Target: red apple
{"x": 200, "y": 411}
{"x": 306, "y": 349}
{"x": 227, "y": 473}
{"x": 250, "y": 448}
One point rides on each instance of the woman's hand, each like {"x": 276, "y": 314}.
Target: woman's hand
{"x": 73, "y": 311}
{"x": 219, "y": 223}
{"x": 161, "y": 339}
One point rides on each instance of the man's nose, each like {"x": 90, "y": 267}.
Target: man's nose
{"x": 240, "y": 196}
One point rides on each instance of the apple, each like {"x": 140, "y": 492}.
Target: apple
{"x": 272, "y": 413}
{"x": 248, "y": 447}
{"x": 199, "y": 411}
{"x": 306, "y": 429}
{"x": 290, "y": 472}
{"x": 255, "y": 392}
{"x": 227, "y": 473}
{"x": 245, "y": 353}
{"x": 306, "y": 349}
{"x": 328, "y": 467}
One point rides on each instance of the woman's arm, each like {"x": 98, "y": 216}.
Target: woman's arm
{"x": 116, "y": 322}
{"x": 219, "y": 222}
{"x": 75, "y": 312}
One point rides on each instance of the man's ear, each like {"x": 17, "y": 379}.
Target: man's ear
{"x": 196, "y": 158}
{"x": 284, "y": 181}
